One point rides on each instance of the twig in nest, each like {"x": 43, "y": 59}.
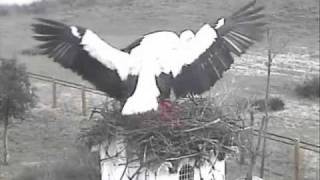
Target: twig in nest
{"x": 201, "y": 127}
{"x": 150, "y": 140}
{"x": 192, "y": 99}
{"x": 183, "y": 157}
{"x": 136, "y": 172}
{"x": 124, "y": 171}
{"x": 111, "y": 157}
{"x": 94, "y": 111}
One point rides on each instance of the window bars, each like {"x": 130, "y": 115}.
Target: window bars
{"x": 186, "y": 172}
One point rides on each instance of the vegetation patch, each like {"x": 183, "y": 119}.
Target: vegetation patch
{"x": 310, "y": 88}
{"x": 273, "y": 104}
{"x": 17, "y": 96}
{"x": 40, "y": 7}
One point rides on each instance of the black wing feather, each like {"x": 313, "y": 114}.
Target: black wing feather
{"x": 236, "y": 35}
{"x": 133, "y": 45}
{"x": 199, "y": 76}
{"x": 64, "y": 47}
{"x": 247, "y": 22}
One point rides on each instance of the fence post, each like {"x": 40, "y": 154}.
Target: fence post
{"x": 298, "y": 161}
{"x": 54, "y": 93}
{"x": 84, "y": 102}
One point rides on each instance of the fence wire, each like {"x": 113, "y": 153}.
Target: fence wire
{"x": 271, "y": 136}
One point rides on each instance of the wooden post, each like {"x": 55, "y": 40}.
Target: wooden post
{"x": 84, "y": 102}
{"x": 298, "y": 161}
{"x": 5, "y": 134}
{"x": 253, "y": 151}
{"x": 265, "y": 129}
{"x": 242, "y": 155}
{"x": 54, "y": 93}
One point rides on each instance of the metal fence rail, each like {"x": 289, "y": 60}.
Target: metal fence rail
{"x": 65, "y": 83}
{"x": 271, "y": 136}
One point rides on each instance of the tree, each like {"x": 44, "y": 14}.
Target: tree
{"x": 16, "y": 96}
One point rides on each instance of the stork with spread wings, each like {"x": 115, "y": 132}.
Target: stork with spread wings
{"x": 143, "y": 74}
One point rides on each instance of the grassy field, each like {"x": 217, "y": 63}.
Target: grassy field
{"x": 293, "y": 23}
{"x": 50, "y": 134}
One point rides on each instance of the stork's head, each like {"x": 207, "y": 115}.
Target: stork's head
{"x": 186, "y": 35}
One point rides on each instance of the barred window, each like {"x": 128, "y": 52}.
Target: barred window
{"x": 186, "y": 173}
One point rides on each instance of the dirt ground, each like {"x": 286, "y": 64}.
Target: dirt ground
{"x": 48, "y": 134}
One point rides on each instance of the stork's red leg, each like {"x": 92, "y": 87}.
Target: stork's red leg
{"x": 169, "y": 112}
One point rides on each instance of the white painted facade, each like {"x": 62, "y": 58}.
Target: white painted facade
{"x": 115, "y": 168}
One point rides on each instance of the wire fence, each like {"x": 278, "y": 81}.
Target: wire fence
{"x": 293, "y": 143}
{"x": 84, "y": 89}
{"x": 65, "y": 83}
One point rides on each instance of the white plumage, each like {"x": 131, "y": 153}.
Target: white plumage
{"x": 106, "y": 54}
{"x": 157, "y": 63}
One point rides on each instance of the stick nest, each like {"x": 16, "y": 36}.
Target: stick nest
{"x": 190, "y": 129}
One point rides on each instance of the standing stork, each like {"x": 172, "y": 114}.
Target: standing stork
{"x": 145, "y": 73}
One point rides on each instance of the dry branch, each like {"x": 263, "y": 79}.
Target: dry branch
{"x": 194, "y": 130}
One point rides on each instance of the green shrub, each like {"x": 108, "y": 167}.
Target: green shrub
{"x": 309, "y": 88}
{"x": 274, "y": 104}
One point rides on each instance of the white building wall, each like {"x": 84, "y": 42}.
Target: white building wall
{"x": 115, "y": 168}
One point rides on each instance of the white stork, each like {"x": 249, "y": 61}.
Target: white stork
{"x": 144, "y": 74}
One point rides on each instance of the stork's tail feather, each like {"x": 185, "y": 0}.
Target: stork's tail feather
{"x": 242, "y": 28}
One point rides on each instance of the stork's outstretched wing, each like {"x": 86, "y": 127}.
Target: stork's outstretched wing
{"x": 156, "y": 63}
{"x": 82, "y": 51}
{"x": 204, "y": 58}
